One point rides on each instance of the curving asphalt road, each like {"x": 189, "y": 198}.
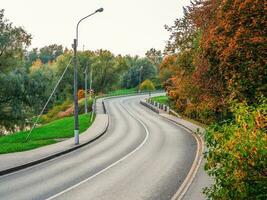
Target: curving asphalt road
{"x": 142, "y": 156}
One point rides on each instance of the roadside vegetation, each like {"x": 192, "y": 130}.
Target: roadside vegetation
{"x": 147, "y": 85}
{"x": 44, "y": 135}
{"x": 161, "y": 99}
{"x": 215, "y": 72}
{"x": 27, "y": 76}
{"x": 166, "y": 101}
{"x": 237, "y": 155}
{"x": 54, "y": 126}
{"x": 120, "y": 92}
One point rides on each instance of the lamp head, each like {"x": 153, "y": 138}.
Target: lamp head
{"x": 100, "y": 10}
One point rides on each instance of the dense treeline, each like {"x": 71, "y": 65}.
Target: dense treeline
{"x": 215, "y": 71}
{"x": 216, "y": 54}
{"x": 27, "y": 77}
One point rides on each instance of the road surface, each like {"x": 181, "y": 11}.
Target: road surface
{"x": 141, "y": 156}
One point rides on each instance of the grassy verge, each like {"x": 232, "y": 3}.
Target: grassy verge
{"x": 120, "y": 92}
{"x": 47, "y": 134}
{"x": 165, "y": 100}
{"x": 124, "y": 92}
{"x": 161, "y": 99}
{"x": 52, "y": 129}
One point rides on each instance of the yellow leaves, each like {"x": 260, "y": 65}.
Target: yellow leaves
{"x": 230, "y": 145}
{"x": 147, "y": 85}
{"x": 260, "y": 120}
{"x": 36, "y": 65}
{"x": 238, "y": 118}
{"x": 244, "y": 125}
{"x": 239, "y": 174}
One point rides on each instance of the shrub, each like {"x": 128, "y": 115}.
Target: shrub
{"x": 81, "y": 94}
{"x": 237, "y": 154}
{"x": 53, "y": 113}
{"x": 147, "y": 85}
{"x": 82, "y": 105}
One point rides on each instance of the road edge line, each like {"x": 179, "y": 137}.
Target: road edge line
{"x": 110, "y": 166}
{"x": 196, "y": 163}
{"x": 18, "y": 168}
{"x": 194, "y": 167}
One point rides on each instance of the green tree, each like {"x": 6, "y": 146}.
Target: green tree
{"x": 155, "y": 56}
{"x": 31, "y": 56}
{"x": 139, "y": 68}
{"x": 14, "y": 101}
{"x": 13, "y": 41}
{"x": 50, "y": 53}
{"x": 104, "y": 70}
{"x": 236, "y": 154}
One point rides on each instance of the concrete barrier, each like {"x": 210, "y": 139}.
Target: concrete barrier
{"x": 153, "y": 108}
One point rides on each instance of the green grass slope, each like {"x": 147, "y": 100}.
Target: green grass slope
{"x": 44, "y": 135}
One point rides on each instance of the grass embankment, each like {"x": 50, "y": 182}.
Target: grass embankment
{"x": 120, "y": 92}
{"x": 124, "y": 92}
{"x": 46, "y": 134}
{"x": 53, "y": 129}
{"x": 161, "y": 99}
{"x": 165, "y": 100}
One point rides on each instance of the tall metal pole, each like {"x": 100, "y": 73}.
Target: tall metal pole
{"x": 85, "y": 88}
{"x": 75, "y": 95}
{"x": 91, "y": 81}
{"x": 140, "y": 70}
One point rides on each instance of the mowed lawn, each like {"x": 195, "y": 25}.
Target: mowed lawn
{"x": 122, "y": 92}
{"x": 161, "y": 99}
{"x": 44, "y": 135}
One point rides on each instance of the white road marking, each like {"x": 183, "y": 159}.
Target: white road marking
{"x": 113, "y": 164}
{"x": 194, "y": 167}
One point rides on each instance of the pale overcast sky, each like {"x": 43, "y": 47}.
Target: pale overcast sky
{"x": 125, "y": 26}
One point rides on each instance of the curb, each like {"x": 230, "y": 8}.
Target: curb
{"x": 196, "y": 163}
{"x": 32, "y": 163}
{"x": 154, "y": 109}
{"x": 50, "y": 157}
{"x": 195, "y": 166}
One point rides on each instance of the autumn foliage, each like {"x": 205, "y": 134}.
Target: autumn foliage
{"x": 221, "y": 56}
{"x": 81, "y": 94}
{"x": 147, "y": 85}
{"x": 237, "y": 154}
{"x": 233, "y": 47}
{"x": 215, "y": 71}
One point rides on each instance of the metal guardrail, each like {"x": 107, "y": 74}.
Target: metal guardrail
{"x": 157, "y": 107}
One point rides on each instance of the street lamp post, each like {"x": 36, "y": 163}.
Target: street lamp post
{"x": 75, "y": 95}
{"x": 91, "y": 81}
{"x": 140, "y": 70}
{"x": 85, "y": 88}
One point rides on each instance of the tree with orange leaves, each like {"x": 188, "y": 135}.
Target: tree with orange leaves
{"x": 226, "y": 40}
{"x": 233, "y": 46}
